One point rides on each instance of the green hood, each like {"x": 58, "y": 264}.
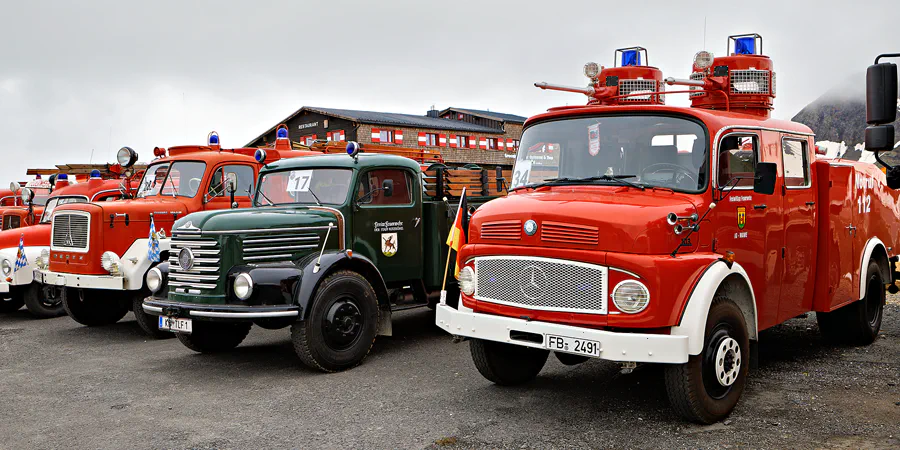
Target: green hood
{"x": 255, "y": 219}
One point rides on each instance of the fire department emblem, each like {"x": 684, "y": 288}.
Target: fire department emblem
{"x": 741, "y": 216}
{"x": 389, "y": 244}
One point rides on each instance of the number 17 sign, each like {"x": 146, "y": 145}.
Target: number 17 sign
{"x": 299, "y": 180}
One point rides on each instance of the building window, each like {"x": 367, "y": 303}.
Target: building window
{"x": 515, "y": 145}
{"x": 386, "y": 136}
{"x": 308, "y": 139}
{"x": 460, "y": 116}
{"x": 492, "y": 143}
{"x": 431, "y": 139}
{"x": 463, "y": 141}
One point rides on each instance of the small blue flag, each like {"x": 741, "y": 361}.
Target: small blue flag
{"x": 21, "y": 259}
{"x": 153, "y": 245}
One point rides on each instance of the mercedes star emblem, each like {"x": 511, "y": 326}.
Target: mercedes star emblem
{"x": 530, "y": 227}
{"x": 533, "y": 282}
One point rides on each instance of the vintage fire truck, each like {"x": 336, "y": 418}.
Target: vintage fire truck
{"x": 100, "y": 252}
{"x": 17, "y": 284}
{"x": 638, "y": 232}
{"x": 28, "y": 203}
{"x": 334, "y": 244}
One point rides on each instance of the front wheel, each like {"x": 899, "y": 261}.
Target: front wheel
{"x": 507, "y": 364}
{"x": 148, "y": 322}
{"x": 341, "y": 326}
{"x": 214, "y": 337}
{"x": 92, "y": 311}
{"x": 707, "y": 387}
{"x": 859, "y": 322}
{"x": 44, "y": 300}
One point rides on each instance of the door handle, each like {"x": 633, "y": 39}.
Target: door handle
{"x": 763, "y": 206}
{"x": 810, "y": 203}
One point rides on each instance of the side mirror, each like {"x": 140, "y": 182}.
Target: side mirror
{"x": 230, "y": 182}
{"x": 764, "y": 178}
{"x": 388, "y": 187}
{"x": 881, "y": 94}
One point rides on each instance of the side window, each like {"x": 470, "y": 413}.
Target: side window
{"x": 244, "y": 181}
{"x": 374, "y": 180}
{"x": 796, "y": 163}
{"x": 737, "y": 158}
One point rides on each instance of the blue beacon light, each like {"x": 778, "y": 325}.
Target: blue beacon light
{"x": 63, "y": 177}
{"x": 631, "y": 58}
{"x": 282, "y": 133}
{"x": 214, "y": 139}
{"x": 745, "y": 46}
{"x": 95, "y": 173}
{"x": 260, "y": 156}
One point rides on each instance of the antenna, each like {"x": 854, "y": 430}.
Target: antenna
{"x": 704, "y": 33}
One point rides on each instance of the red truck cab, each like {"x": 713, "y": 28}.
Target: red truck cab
{"x": 26, "y": 204}
{"x": 17, "y": 285}
{"x": 643, "y": 233}
{"x": 101, "y": 252}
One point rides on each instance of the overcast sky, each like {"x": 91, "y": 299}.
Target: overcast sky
{"x": 87, "y": 77}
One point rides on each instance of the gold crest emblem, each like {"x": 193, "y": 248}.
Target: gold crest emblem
{"x": 741, "y": 216}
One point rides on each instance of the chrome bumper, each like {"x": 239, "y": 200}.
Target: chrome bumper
{"x": 80, "y": 281}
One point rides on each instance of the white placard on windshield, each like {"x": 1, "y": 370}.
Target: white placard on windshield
{"x": 299, "y": 180}
{"x": 521, "y": 174}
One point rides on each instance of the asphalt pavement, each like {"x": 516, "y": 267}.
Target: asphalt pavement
{"x": 63, "y": 385}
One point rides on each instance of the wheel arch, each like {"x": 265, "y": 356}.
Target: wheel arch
{"x": 874, "y": 250}
{"x": 718, "y": 279}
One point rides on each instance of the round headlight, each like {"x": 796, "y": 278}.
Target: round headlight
{"x": 110, "y": 262}
{"x": 591, "y": 70}
{"x": 467, "y": 280}
{"x": 27, "y": 195}
{"x": 45, "y": 255}
{"x": 154, "y": 280}
{"x": 126, "y": 156}
{"x": 243, "y": 286}
{"x": 6, "y": 267}
{"x": 631, "y": 296}
{"x": 703, "y": 59}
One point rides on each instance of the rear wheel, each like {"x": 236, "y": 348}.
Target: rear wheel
{"x": 86, "y": 307}
{"x": 709, "y": 385}
{"x": 213, "y": 337}
{"x": 859, "y": 322}
{"x": 44, "y": 300}
{"x": 507, "y": 364}
{"x": 148, "y": 322}
{"x": 11, "y": 304}
{"x": 341, "y": 326}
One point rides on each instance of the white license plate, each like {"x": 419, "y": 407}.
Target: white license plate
{"x": 572, "y": 345}
{"x": 175, "y": 324}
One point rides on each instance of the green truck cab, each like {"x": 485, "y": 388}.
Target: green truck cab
{"x": 332, "y": 246}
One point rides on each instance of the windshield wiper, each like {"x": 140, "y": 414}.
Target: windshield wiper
{"x": 620, "y": 179}
{"x": 271, "y": 203}
{"x": 315, "y": 196}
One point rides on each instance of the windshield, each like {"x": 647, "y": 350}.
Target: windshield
{"x": 181, "y": 178}
{"x": 56, "y": 201}
{"x": 642, "y": 150}
{"x": 308, "y": 186}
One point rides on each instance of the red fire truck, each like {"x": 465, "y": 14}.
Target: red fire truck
{"x": 28, "y": 200}
{"x": 643, "y": 233}
{"x": 101, "y": 252}
{"x": 17, "y": 284}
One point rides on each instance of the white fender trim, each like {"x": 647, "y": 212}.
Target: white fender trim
{"x": 25, "y": 275}
{"x": 693, "y": 321}
{"x": 871, "y": 245}
{"x": 134, "y": 272}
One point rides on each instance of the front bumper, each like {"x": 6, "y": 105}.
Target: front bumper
{"x": 80, "y": 281}
{"x": 159, "y": 307}
{"x": 625, "y": 347}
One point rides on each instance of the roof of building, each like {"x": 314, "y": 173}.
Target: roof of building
{"x": 382, "y": 118}
{"x": 488, "y": 114}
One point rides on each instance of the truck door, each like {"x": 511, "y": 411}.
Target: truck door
{"x": 387, "y": 229}
{"x": 750, "y": 224}
{"x": 215, "y": 196}
{"x": 799, "y": 228}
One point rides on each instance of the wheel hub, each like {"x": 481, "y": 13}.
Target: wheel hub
{"x": 343, "y": 323}
{"x": 728, "y": 361}
{"x": 52, "y": 295}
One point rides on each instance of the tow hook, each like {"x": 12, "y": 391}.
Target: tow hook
{"x": 172, "y": 311}
{"x": 628, "y": 367}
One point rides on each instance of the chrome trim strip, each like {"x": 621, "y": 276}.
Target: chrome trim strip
{"x": 151, "y": 309}
{"x": 194, "y": 243}
{"x": 174, "y": 259}
{"x": 257, "y": 258}
{"x": 190, "y": 276}
{"x": 197, "y": 285}
{"x": 266, "y": 240}
{"x": 248, "y": 315}
{"x": 177, "y": 269}
{"x": 203, "y": 252}
{"x": 288, "y": 247}
{"x": 626, "y": 272}
{"x": 267, "y": 230}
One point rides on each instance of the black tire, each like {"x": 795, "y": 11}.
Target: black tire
{"x": 570, "y": 359}
{"x": 859, "y": 322}
{"x": 44, "y": 300}
{"x": 86, "y": 307}
{"x": 11, "y": 304}
{"x": 149, "y": 323}
{"x": 694, "y": 389}
{"x": 341, "y": 326}
{"x": 507, "y": 364}
{"x": 214, "y": 337}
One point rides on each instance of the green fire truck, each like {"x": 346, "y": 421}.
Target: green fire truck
{"x": 333, "y": 245}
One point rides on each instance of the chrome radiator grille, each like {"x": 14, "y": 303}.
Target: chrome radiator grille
{"x": 542, "y": 283}
{"x": 281, "y": 246}
{"x": 204, "y": 274}
{"x": 70, "y": 231}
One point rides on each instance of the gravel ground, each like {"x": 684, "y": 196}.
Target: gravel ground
{"x": 67, "y": 386}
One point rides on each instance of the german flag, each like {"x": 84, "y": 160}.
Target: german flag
{"x": 457, "y": 236}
